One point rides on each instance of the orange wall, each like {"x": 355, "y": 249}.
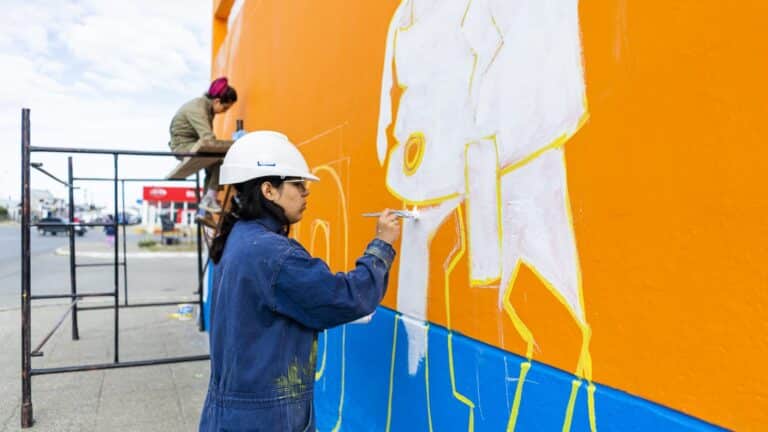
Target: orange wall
{"x": 667, "y": 184}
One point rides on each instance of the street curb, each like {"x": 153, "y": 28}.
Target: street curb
{"x": 147, "y": 299}
{"x": 62, "y": 251}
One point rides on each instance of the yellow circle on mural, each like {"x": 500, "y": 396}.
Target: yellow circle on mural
{"x": 414, "y": 152}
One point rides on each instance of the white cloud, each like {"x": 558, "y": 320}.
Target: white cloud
{"x": 101, "y": 75}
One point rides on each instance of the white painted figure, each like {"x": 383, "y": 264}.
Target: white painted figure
{"x": 491, "y": 91}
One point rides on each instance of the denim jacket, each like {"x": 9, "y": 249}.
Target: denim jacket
{"x": 270, "y": 298}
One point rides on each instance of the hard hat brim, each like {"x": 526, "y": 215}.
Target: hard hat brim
{"x": 234, "y": 174}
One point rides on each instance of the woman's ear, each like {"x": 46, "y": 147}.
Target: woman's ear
{"x": 268, "y": 190}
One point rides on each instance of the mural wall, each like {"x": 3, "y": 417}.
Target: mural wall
{"x": 586, "y": 253}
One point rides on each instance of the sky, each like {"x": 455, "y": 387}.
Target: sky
{"x": 97, "y": 74}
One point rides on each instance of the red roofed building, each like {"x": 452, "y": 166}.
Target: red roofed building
{"x": 178, "y": 203}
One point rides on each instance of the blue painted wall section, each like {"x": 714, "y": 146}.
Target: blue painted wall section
{"x": 207, "y": 293}
{"x": 355, "y": 381}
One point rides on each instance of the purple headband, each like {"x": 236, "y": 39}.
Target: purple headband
{"x": 218, "y": 87}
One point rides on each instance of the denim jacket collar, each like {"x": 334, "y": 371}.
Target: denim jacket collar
{"x": 270, "y": 224}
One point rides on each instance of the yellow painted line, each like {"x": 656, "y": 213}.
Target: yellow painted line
{"x": 493, "y": 281}
{"x": 345, "y": 216}
{"x": 343, "y": 376}
{"x": 319, "y": 135}
{"x": 524, "y": 368}
{"x": 468, "y": 196}
{"x": 325, "y": 226}
{"x": 475, "y": 57}
{"x": 591, "y": 406}
{"x": 345, "y": 210}
{"x": 319, "y": 374}
{"x": 557, "y": 142}
{"x": 394, "y": 66}
{"x": 466, "y": 11}
{"x": 584, "y": 367}
{"x": 527, "y": 336}
{"x": 551, "y": 288}
{"x": 452, "y": 264}
{"x": 413, "y": 18}
{"x": 463, "y": 399}
{"x": 501, "y": 44}
{"x": 569, "y": 213}
{"x": 426, "y": 381}
{"x": 428, "y": 202}
{"x": 499, "y": 203}
{"x": 520, "y": 326}
{"x": 392, "y": 374}
{"x": 454, "y": 261}
{"x": 571, "y": 402}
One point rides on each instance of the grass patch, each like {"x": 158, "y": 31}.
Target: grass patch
{"x": 147, "y": 243}
{"x": 152, "y": 245}
{"x": 183, "y": 247}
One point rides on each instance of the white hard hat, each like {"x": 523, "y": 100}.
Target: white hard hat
{"x": 261, "y": 154}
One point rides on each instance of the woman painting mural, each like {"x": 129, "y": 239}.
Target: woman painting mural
{"x": 270, "y": 297}
{"x": 193, "y": 122}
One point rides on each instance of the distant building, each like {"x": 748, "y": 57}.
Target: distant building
{"x": 179, "y": 204}
{"x": 12, "y": 207}
{"x": 43, "y": 204}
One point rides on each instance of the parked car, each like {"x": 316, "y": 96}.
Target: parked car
{"x": 128, "y": 219}
{"x": 58, "y": 225}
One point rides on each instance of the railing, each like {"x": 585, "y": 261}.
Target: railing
{"x": 27, "y": 371}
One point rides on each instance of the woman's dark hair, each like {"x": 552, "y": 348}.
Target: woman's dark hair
{"x": 248, "y": 204}
{"x": 227, "y": 96}
{"x": 221, "y": 90}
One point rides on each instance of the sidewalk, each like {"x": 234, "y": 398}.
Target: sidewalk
{"x": 101, "y": 249}
{"x": 165, "y": 398}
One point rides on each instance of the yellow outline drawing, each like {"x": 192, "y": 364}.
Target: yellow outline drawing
{"x": 345, "y": 216}
{"x": 447, "y": 274}
{"x": 496, "y": 279}
{"x": 392, "y": 373}
{"x": 584, "y": 366}
{"x": 426, "y": 378}
{"x": 320, "y": 223}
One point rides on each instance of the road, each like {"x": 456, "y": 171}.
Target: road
{"x": 10, "y": 239}
{"x": 42, "y": 249}
{"x": 148, "y": 279}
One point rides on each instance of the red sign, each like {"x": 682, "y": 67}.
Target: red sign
{"x": 169, "y": 194}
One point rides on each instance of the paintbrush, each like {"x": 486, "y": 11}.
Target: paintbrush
{"x": 407, "y": 214}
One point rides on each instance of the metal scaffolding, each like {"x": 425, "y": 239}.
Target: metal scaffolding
{"x": 27, "y": 371}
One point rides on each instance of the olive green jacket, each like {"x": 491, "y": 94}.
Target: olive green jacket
{"x": 192, "y": 122}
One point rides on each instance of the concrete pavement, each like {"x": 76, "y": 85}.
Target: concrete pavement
{"x": 151, "y": 398}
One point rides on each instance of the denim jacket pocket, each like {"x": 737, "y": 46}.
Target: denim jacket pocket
{"x": 299, "y": 416}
